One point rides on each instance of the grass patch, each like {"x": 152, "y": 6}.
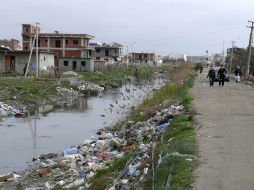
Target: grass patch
{"x": 105, "y": 177}
{"x": 26, "y": 89}
{"x": 175, "y": 171}
{"x": 168, "y": 92}
{"x": 178, "y": 167}
{"x": 116, "y": 75}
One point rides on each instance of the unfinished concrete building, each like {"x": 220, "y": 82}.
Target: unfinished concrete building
{"x": 12, "y": 44}
{"x": 145, "y": 59}
{"x": 71, "y": 48}
{"x": 106, "y": 54}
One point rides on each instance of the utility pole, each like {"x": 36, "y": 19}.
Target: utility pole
{"x": 30, "y": 56}
{"x": 250, "y": 45}
{"x": 223, "y": 53}
{"x": 231, "y": 57}
{"x": 37, "y": 50}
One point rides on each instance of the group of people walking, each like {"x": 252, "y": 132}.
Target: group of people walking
{"x": 221, "y": 75}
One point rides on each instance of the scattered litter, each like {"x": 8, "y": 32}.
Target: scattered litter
{"x": 78, "y": 164}
{"x": 7, "y": 111}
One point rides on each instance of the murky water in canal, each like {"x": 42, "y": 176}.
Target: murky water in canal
{"x": 64, "y": 124}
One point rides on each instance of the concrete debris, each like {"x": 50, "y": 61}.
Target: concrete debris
{"x": 78, "y": 164}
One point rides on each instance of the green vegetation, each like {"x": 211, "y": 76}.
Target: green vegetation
{"x": 167, "y": 92}
{"x": 32, "y": 90}
{"x": 106, "y": 176}
{"x": 178, "y": 149}
{"x": 117, "y": 75}
{"x": 28, "y": 90}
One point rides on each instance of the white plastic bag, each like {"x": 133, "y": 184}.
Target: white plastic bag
{"x": 238, "y": 78}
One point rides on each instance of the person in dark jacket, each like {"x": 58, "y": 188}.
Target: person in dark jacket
{"x": 211, "y": 75}
{"x": 201, "y": 69}
{"x": 238, "y": 74}
{"x": 222, "y": 75}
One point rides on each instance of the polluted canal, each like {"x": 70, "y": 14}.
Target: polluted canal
{"x": 65, "y": 123}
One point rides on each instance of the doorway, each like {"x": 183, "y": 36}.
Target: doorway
{"x": 74, "y": 65}
{"x": 9, "y": 64}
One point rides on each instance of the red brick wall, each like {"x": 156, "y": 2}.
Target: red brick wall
{"x": 58, "y": 53}
{"x": 43, "y": 42}
{"x": 70, "y": 53}
{"x": 70, "y": 43}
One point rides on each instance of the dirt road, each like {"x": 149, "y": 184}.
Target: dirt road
{"x": 226, "y": 135}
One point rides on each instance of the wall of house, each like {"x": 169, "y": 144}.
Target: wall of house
{"x": 102, "y": 65}
{"x": 2, "y": 61}
{"x": 21, "y": 60}
{"x": 46, "y": 60}
{"x": 66, "y": 64}
{"x": 143, "y": 63}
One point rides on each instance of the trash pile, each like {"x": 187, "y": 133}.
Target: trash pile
{"x": 86, "y": 88}
{"x": 80, "y": 88}
{"x": 7, "y": 110}
{"x": 67, "y": 92}
{"x": 77, "y": 165}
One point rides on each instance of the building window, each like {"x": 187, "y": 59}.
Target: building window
{"x": 106, "y": 53}
{"x": 57, "y": 43}
{"x": 83, "y": 63}
{"x": 39, "y": 43}
{"x": 97, "y": 58}
{"x": 26, "y": 29}
{"x": 66, "y": 42}
{"x": 44, "y": 58}
{"x": 145, "y": 55}
{"x": 98, "y": 50}
{"x": 46, "y": 40}
{"x": 75, "y": 42}
{"x": 66, "y": 63}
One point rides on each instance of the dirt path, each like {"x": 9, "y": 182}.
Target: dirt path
{"x": 226, "y": 136}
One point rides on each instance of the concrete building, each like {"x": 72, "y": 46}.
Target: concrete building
{"x": 196, "y": 59}
{"x": 64, "y": 46}
{"x": 12, "y": 44}
{"x": 147, "y": 59}
{"x": 16, "y": 61}
{"x": 76, "y": 64}
{"x": 106, "y": 54}
{"x": 174, "y": 57}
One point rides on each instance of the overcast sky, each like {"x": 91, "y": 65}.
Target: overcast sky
{"x": 162, "y": 26}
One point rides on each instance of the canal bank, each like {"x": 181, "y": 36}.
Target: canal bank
{"x": 55, "y": 126}
{"x": 170, "y": 109}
